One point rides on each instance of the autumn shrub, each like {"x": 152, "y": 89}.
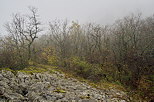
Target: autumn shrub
{"x": 85, "y": 69}
{"x": 146, "y": 87}
{"x": 47, "y": 56}
{"x": 80, "y": 67}
{"x": 12, "y": 59}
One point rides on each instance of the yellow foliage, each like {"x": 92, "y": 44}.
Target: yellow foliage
{"x": 53, "y": 60}
{"x": 49, "y": 56}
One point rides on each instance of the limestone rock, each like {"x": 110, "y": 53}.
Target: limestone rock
{"x": 42, "y": 87}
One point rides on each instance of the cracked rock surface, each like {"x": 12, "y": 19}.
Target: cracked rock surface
{"x": 45, "y": 87}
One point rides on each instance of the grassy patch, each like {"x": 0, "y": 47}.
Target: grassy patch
{"x": 39, "y": 68}
{"x": 101, "y": 84}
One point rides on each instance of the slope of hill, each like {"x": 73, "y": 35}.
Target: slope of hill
{"x": 21, "y": 86}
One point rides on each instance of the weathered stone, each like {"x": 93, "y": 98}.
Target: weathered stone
{"x": 40, "y": 87}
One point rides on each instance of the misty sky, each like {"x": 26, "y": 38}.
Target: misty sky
{"x": 96, "y": 11}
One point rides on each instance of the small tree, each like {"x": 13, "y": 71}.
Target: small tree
{"x": 24, "y": 30}
{"x": 32, "y": 29}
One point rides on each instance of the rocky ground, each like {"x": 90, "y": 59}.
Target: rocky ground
{"x": 45, "y": 87}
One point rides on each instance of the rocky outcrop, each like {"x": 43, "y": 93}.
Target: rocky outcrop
{"x": 45, "y": 87}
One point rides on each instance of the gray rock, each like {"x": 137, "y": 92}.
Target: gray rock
{"x": 40, "y": 87}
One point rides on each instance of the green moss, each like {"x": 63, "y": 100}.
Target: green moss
{"x": 8, "y": 69}
{"x": 59, "y": 90}
{"x": 31, "y": 70}
{"x": 39, "y": 68}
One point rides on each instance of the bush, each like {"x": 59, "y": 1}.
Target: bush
{"x": 47, "y": 56}
{"x": 86, "y": 70}
{"x": 80, "y": 67}
{"x": 13, "y": 59}
{"x": 146, "y": 87}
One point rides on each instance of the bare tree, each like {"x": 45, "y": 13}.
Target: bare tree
{"x": 59, "y": 35}
{"x": 23, "y": 30}
{"x": 32, "y": 29}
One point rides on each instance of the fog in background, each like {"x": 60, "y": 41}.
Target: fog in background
{"x": 84, "y": 11}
